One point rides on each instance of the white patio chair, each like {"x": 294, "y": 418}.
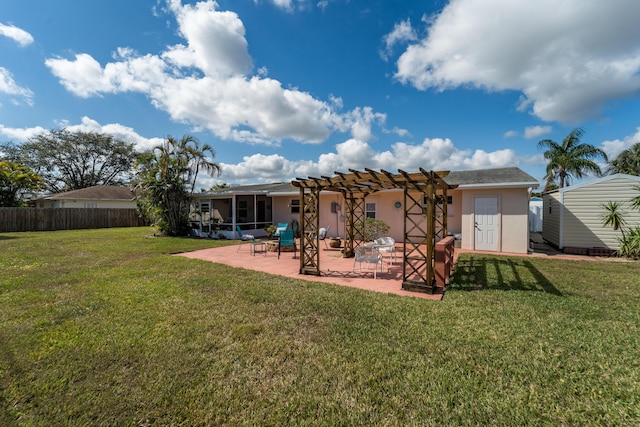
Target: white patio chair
{"x": 367, "y": 255}
{"x": 387, "y": 245}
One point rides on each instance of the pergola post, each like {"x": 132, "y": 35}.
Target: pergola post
{"x": 425, "y": 218}
{"x": 309, "y": 226}
{"x": 354, "y": 222}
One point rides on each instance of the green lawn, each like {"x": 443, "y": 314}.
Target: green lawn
{"x": 103, "y": 327}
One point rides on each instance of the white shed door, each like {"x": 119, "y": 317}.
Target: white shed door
{"x": 486, "y": 223}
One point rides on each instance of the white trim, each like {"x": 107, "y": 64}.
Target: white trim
{"x": 498, "y": 185}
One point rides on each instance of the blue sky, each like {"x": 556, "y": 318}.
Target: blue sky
{"x": 296, "y": 88}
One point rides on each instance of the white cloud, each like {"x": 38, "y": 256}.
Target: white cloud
{"x": 614, "y": 147}
{"x": 402, "y": 32}
{"x": 431, "y": 154}
{"x": 9, "y": 86}
{"x": 20, "y": 134}
{"x": 536, "y": 131}
{"x": 569, "y": 60}
{"x": 86, "y": 124}
{"x": 19, "y": 35}
{"x": 510, "y": 134}
{"x": 207, "y": 83}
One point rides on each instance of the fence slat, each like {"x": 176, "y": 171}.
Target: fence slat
{"x": 50, "y": 219}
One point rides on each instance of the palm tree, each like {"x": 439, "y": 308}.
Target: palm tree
{"x": 168, "y": 177}
{"x": 627, "y": 162}
{"x": 571, "y": 158}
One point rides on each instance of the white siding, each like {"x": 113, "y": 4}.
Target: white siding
{"x": 583, "y": 215}
{"x": 551, "y": 218}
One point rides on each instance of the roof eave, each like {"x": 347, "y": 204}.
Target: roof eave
{"x": 499, "y": 185}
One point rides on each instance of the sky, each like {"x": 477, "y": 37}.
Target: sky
{"x": 296, "y": 88}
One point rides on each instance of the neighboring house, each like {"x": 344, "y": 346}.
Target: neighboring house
{"x": 99, "y": 196}
{"x": 573, "y": 215}
{"x": 489, "y": 209}
{"x": 535, "y": 214}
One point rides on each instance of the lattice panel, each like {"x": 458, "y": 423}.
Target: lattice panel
{"x": 419, "y": 241}
{"x": 354, "y": 223}
{"x": 309, "y": 221}
{"x": 441, "y": 216}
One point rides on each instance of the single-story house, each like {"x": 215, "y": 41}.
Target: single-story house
{"x": 99, "y": 196}
{"x": 488, "y": 210}
{"x": 573, "y": 215}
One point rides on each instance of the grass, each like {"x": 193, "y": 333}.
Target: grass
{"x": 103, "y": 327}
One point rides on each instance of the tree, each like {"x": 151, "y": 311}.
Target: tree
{"x": 16, "y": 181}
{"x": 73, "y": 160}
{"x": 571, "y": 158}
{"x": 167, "y": 177}
{"x": 627, "y": 162}
{"x": 614, "y": 217}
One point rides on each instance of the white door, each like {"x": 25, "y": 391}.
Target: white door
{"x": 486, "y": 223}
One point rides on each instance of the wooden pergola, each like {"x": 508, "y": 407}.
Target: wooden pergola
{"x": 425, "y": 217}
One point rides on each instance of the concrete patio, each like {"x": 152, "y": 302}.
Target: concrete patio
{"x": 338, "y": 270}
{"x": 334, "y": 268}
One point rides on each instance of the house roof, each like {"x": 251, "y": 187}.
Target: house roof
{"x": 503, "y": 177}
{"x": 596, "y": 181}
{"x": 98, "y": 192}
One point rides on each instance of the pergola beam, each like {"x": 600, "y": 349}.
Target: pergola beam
{"x": 420, "y": 222}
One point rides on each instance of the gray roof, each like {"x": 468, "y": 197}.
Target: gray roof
{"x": 506, "y": 176}
{"x": 98, "y": 192}
{"x": 275, "y": 187}
{"x": 481, "y": 177}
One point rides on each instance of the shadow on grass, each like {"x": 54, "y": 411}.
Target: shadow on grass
{"x": 507, "y": 274}
{"x": 7, "y": 237}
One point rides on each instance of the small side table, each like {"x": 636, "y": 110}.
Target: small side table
{"x": 258, "y": 246}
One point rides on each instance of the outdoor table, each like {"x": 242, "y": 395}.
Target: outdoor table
{"x": 258, "y": 246}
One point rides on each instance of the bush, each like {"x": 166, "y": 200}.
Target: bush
{"x": 373, "y": 228}
{"x": 630, "y": 244}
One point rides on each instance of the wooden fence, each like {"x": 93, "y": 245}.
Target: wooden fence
{"x": 49, "y": 219}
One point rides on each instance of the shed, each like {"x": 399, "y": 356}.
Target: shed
{"x": 573, "y": 215}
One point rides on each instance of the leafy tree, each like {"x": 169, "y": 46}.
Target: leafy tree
{"x": 215, "y": 187}
{"x": 167, "y": 177}
{"x": 73, "y": 160}
{"x": 15, "y": 182}
{"x": 627, "y": 162}
{"x": 571, "y": 158}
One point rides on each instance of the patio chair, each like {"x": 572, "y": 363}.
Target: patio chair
{"x": 368, "y": 255}
{"x": 281, "y": 226}
{"x": 287, "y": 239}
{"x": 387, "y": 245}
{"x": 248, "y": 237}
{"x": 322, "y": 235}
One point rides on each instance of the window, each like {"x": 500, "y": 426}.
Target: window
{"x": 295, "y": 206}
{"x": 370, "y": 210}
{"x": 91, "y": 205}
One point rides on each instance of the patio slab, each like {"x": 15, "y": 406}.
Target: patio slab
{"x": 334, "y": 268}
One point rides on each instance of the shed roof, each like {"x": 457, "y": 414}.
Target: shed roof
{"x": 594, "y": 181}
{"x": 508, "y": 177}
